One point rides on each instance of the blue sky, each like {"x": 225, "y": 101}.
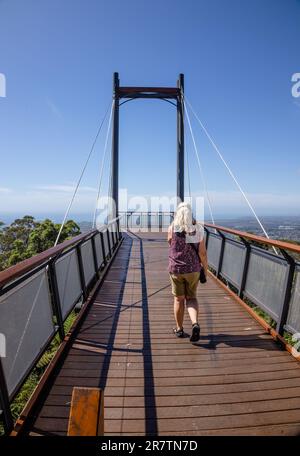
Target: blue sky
{"x": 238, "y": 58}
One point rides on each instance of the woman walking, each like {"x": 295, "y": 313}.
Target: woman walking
{"x": 187, "y": 255}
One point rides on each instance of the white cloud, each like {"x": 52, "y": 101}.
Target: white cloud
{"x": 55, "y": 198}
{"x": 64, "y": 188}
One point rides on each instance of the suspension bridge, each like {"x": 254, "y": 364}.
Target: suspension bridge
{"x": 119, "y": 370}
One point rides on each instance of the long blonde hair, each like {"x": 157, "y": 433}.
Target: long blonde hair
{"x": 183, "y": 219}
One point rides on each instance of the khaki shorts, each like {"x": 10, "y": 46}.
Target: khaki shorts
{"x": 185, "y": 284}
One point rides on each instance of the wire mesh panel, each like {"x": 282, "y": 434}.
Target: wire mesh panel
{"x": 111, "y": 238}
{"x": 233, "y": 262}
{"x": 144, "y": 220}
{"x": 68, "y": 281}
{"x": 99, "y": 252}
{"x": 26, "y": 321}
{"x": 112, "y": 230}
{"x": 118, "y": 227}
{"x": 213, "y": 250}
{"x": 293, "y": 320}
{"x": 154, "y": 220}
{"x": 88, "y": 261}
{"x": 266, "y": 281}
{"x": 166, "y": 220}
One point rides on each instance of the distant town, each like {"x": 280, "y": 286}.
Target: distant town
{"x": 278, "y": 227}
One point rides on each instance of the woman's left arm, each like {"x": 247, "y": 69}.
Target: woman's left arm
{"x": 203, "y": 255}
{"x": 169, "y": 234}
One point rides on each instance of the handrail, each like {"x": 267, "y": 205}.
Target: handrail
{"x": 253, "y": 237}
{"x": 24, "y": 266}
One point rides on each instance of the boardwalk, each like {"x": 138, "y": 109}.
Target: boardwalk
{"x": 235, "y": 380}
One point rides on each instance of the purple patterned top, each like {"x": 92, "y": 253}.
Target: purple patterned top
{"x": 183, "y": 257}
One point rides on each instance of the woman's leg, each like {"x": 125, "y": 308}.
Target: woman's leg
{"x": 179, "y": 310}
{"x": 192, "y": 308}
{"x": 192, "y": 280}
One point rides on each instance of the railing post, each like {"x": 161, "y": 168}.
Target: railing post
{"x": 245, "y": 267}
{"x": 81, "y": 273}
{"x": 8, "y": 421}
{"x": 160, "y": 221}
{"x": 149, "y": 221}
{"x": 103, "y": 248}
{"x": 287, "y": 295}
{"x": 94, "y": 255}
{"x": 218, "y": 271}
{"x": 108, "y": 241}
{"x": 56, "y": 304}
{"x": 207, "y": 236}
{"x": 118, "y": 230}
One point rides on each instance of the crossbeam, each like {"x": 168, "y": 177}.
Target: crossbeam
{"x": 147, "y": 92}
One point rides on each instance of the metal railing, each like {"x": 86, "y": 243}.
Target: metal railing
{"x": 145, "y": 221}
{"x": 36, "y": 297}
{"x": 269, "y": 280}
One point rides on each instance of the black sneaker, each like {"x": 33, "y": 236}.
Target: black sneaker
{"x": 195, "y": 333}
{"x": 178, "y": 332}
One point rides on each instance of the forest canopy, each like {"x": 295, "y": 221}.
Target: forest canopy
{"x": 26, "y": 237}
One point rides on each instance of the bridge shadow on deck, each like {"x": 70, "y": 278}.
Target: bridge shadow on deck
{"x": 229, "y": 382}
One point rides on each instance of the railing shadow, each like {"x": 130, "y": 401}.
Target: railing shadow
{"x": 92, "y": 339}
{"x": 149, "y": 389}
{"x": 233, "y": 340}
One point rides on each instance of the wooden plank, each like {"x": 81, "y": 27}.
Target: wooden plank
{"x": 204, "y": 423}
{"x": 87, "y": 412}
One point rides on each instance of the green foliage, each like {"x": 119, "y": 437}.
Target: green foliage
{"x": 26, "y": 237}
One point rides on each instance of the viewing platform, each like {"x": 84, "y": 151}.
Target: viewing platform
{"x": 239, "y": 379}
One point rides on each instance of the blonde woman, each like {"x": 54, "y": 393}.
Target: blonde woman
{"x": 187, "y": 255}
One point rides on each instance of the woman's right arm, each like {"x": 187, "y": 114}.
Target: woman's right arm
{"x": 203, "y": 255}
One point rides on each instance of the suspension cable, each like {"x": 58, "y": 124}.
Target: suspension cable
{"x": 199, "y": 164}
{"x": 102, "y": 163}
{"x": 81, "y": 175}
{"x": 229, "y": 170}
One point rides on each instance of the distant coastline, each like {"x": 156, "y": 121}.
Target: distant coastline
{"x": 277, "y": 226}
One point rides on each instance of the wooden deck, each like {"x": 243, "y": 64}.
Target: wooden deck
{"x": 234, "y": 381}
